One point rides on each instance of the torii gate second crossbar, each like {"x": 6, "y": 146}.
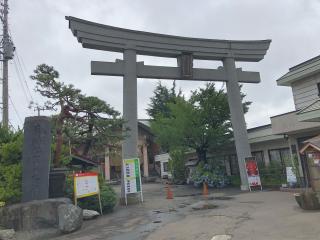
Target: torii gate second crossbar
{"x": 130, "y": 43}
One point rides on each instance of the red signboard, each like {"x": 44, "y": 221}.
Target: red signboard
{"x": 252, "y": 172}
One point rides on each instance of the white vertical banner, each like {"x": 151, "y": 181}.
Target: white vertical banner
{"x": 132, "y": 177}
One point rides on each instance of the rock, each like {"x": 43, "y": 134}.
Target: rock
{"x": 89, "y": 214}
{"x": 157, "y": 211}
{"x": 7, "y": 234}
{"x": 201, "y": 205}
{"x": 30, "y": 216}
{"x": 308, "y": 200}
{"x": 222, "y": 237}
{"x": 172, "y": 210}
{"x": 70, "y": 218}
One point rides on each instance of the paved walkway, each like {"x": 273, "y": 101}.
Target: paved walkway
{"x": 259, "y": 215}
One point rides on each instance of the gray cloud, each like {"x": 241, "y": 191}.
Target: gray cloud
{"x": 41, "y": 34}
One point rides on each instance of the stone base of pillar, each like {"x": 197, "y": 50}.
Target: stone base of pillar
{"x": 131, "y": 199}
{"x": 244, "y": 188}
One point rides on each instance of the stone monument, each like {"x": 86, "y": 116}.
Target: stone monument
{"x": 36, "y": 158}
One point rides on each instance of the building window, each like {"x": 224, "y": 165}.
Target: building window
{"x": 318, "y": 86}
{"x": 259, "y": 157}
{"x": 281, "y": 155}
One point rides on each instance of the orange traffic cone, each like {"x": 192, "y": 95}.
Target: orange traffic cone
{"x": 169, "y": 191}
{"x": 205, "y": 191}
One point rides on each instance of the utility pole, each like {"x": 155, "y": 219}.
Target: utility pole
{"x": 6, "y": 54}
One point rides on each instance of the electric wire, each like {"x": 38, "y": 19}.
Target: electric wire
{"x": 15, "y": 110}
{"x": 20, "y": 81}
{"x": 23, "y": 70}
{"x": 11, "y": 125}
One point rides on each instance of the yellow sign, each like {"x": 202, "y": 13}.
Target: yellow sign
{"x": 85, "y": 185}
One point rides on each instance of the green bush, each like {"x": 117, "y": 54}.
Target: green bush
{"x": 108, "y": 197}
{"x": 177, "y": 165}
{"x": 213, "y": 175}
{"x": 272, "y": 174}
{"x": 108, "y": 200}
{"x": 10, "y": 165}
{"x": 235, "y": 180}
{"x": 10, "y": 183}
{"x": 11, "y": 151}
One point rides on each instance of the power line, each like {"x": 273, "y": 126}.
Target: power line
{"x": 15, "y": 109}
{"x": 20, "y": 81}
{"x": 21, "y": 66}
{"x": 11, "y": 125}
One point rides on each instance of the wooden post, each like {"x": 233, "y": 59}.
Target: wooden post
{"x": 107, "y": 165}
{"x": 145, "y": 161}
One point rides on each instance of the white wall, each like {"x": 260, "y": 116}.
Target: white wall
{"x": 305, "y": 91}
{"x": 288, "y": 124}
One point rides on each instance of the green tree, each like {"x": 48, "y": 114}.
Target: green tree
{"x": 95, "y": 125}
{"x": 177, "y": 165}
{"x": 11, "y": 143}
{"x": 88, "y": 121}
{"x": 200, "y": 123}
{"x": 159, "y": 102}
{"x": 60, "y": 97}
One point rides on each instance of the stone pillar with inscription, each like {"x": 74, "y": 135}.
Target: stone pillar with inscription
{"x": 36, "y": 158}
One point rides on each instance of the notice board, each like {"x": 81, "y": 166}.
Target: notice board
{"x": 132, "y": 177}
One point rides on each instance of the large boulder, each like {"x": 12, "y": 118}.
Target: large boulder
{"x": 29, "y": 216}
{"x": 7, "y": 234}
{"x": 70, "y": 218}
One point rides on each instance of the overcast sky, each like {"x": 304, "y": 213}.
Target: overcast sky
{"x": 41, "y": 35}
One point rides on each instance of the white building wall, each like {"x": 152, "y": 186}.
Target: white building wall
{"x": 305, "y": 91}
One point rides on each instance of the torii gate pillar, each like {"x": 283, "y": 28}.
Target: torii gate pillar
{"x": 237, "y": 119}
{"x": 130, "y": 111}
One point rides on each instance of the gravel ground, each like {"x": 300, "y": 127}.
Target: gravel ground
{"x": 238, "y": 215}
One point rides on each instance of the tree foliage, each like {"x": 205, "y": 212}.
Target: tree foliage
{"x": 95, "y": 125}
{"x": 11, "y": 143}
{"x": 88, "y": 121}
{"x": 159, "y": 102}
{"x": 177, "y": 165}
{"x": 201, "y": 123}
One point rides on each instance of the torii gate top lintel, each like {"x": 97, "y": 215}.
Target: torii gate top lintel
{"x": 104, "y": 37}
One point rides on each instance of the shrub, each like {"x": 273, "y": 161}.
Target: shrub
{"x": 10, "y": 165}
{"x": 10, "y": 183}
{"x": 108, "y": 197}
{"x": 11, "y": 151}
{"x": 235, "y": 180}
{"x": 215, "y": 177}
{"x": 177, "y": 165}
{"x": 108, "y": 200}
{"x": 272, "y": 174}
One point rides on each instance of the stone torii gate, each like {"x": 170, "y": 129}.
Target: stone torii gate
{"x": 130, "y": 43}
